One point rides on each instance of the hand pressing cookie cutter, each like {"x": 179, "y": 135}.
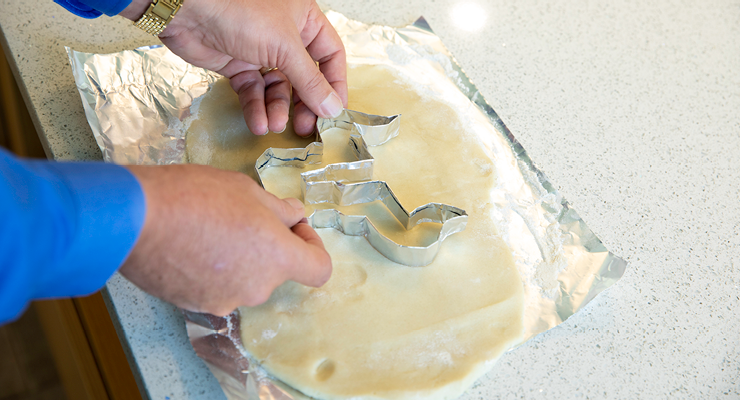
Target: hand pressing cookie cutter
{"x": 331, "y": 184}
{"x": 365, "y": 129}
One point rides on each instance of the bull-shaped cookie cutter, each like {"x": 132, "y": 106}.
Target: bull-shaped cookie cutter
{"x": 350, "y": 183}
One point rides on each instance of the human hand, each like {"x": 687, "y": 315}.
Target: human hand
{"x": 214, "y": 240}
{"x": 238, "y": 37}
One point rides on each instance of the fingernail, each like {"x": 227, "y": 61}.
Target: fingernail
{"x": 331, "y": 107}
{"x": 282, "y": 130}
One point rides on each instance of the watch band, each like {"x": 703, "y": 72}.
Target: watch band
{"x": 158, "y": 15}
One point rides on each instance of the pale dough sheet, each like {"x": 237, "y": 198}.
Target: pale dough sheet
{"x": 379, "y": 329}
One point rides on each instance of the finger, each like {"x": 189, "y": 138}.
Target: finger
{"x": 325, "y": 46}
{"x": 313, "y": 267}
{"x": 290, "y": 211}
{"x": 277, "y": 100}
{"x": 236, "y": 66}
{"x": 303, "y": 230}
{"x": 308, "y": 81}
{"x": 251, "y": 89}
{"x": 304, "y": 120}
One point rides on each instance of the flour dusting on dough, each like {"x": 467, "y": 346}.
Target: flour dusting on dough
{"x": 268, "y": 334}
{"x": 391, "y": 331}
{"x": 379, "y": 329}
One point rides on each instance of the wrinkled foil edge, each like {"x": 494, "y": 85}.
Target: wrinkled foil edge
{"x": 137, "y": 102}
{"x": 161, "y": 109}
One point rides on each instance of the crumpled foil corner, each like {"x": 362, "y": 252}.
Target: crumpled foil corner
{"x": 138, "y": 103}
{"x": 136, "y": 100}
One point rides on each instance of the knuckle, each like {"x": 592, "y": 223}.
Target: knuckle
{"x": 293, "y": 205}
{"x": 315, "y": 82}
{"x": 289, "y": 211}
{"x": 283, "y": 210}
{"x": 278, "y": 95}
{"x": 240, "y": 178}
{"x": 338, "y": 54}
{"x": 272, "y": 202}
{"x": 276, "y": 80}
{"x": 251, "y": 105}
{"x": 244, "y": 80}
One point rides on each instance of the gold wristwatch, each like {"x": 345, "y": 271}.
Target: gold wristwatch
{"x": 158, "y": 15}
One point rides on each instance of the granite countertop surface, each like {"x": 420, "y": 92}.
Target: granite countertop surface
{"x": 630, "y": 108}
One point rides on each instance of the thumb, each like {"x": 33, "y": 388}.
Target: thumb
{"x": 314, "y": 267}
{"x": 309, "y": 83}
{"x": 290, "y": 211}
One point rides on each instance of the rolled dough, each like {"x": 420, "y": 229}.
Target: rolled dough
{"x": 380, "y": 330}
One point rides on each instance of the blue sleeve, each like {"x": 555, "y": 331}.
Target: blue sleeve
{"x": 94, "y": 8}
{"x": 65, "y": 228}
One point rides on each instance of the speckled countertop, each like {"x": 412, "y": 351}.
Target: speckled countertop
{"x": 631, "y": 108}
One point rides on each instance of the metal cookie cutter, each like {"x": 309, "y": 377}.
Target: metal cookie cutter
{"x": 331, "y": 184}
{"x": 365, "y": 130}
{"x": 453, "y": 219}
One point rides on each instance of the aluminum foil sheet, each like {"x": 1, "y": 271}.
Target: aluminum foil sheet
{"x": 138, "y": 104}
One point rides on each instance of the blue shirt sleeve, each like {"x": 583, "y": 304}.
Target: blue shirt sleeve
{"x": 65, "y": 228}
{"x": 94, "y": 8}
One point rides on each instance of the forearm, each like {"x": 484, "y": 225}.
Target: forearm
{"x": 66, "y": 228}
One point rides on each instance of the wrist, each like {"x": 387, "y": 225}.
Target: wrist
{"x": 135, "y": 10}
{"x": 190, "y": 14}
{"x": 152, "y": 17}
{"x": 145, "y": 175}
